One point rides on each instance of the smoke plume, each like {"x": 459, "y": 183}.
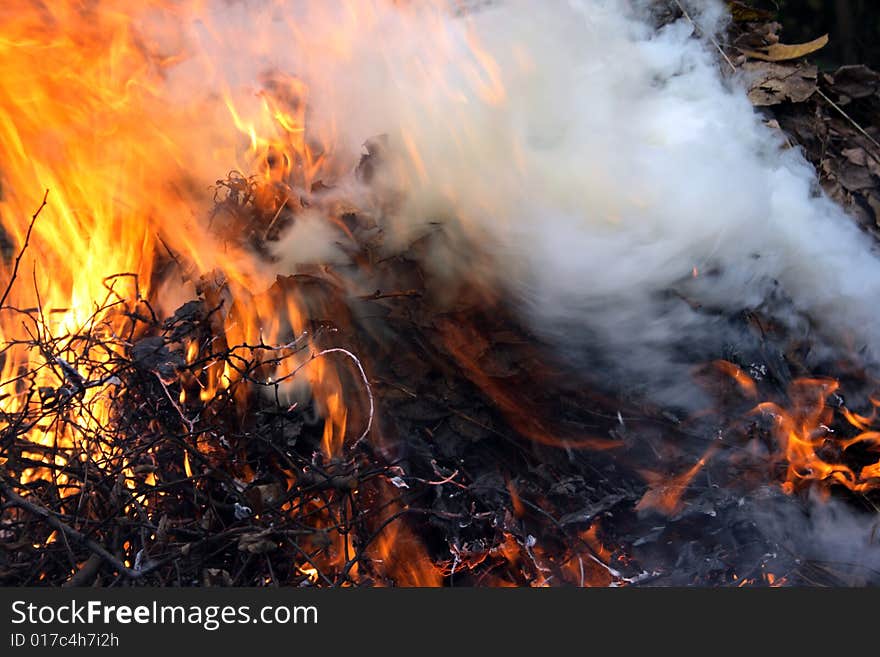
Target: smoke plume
{"x": 628, "y": 196}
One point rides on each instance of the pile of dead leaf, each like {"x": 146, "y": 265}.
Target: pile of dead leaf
{"x": 832, "y": 115}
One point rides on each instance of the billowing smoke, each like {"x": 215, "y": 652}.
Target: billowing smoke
{"x": 627, "y": 195}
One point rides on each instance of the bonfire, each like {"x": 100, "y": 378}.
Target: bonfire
{"x": 428, "y": 293}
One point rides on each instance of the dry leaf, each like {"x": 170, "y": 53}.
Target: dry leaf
{"x": 742, "y": 13}
{"x": 771, "y": 84}
{"x": 780, "y": 52}
{"x": 855, "y": 178}
{"x": 860, "y": 157}
{"x": 854, "y": 81}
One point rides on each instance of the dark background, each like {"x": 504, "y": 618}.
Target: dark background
{"x": 853, "y": 27}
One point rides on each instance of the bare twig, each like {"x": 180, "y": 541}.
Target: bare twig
{"x": 70, "y": 532}
{"x": 855, "y": 124}
{"x": 27, "y": 239}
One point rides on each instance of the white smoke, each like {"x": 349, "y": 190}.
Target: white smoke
{"x": 598, "y": 160}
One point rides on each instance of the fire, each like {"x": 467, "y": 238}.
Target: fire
{"x": 403, "y": 558}
{"x": 744, "y": 381}
{"x": 814, "y": 445}
{"x": 665, "y": 492}
{"x": 587, "y": 562}
{"x": 285, "y": 156}
{"x": 69, "y": 88}
{"x": 104, "y": 105}
{"x": 85, "y": 113}
{"x": 810, "y": 450}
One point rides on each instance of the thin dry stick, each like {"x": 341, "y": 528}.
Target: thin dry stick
{"x": 27, "y": 239}
{"x": 275, "y": 218}
{"x": 851, "y": 120}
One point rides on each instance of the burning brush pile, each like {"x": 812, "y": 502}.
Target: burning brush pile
{"x": 432, "y": 293}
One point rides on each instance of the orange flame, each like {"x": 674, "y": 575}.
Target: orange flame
{"x": 744, "y": 381}
{"x": 664, "y": 493}
{"x": 807, "y": 441}
{"x": 86, "y": 112}
{"x": 404, "y": 558}
{"x": 104, "y": 103}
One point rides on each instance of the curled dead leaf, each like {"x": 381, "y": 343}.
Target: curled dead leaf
{"x": 780, "y": 52}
